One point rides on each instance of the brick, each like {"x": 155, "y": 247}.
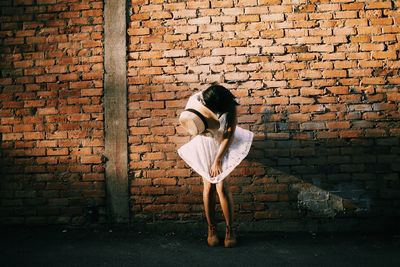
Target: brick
{"x": 299, "y": 117}
{"x": 247, "y": 50}
{"x": 277, "y": 101}
{"x": 338, "y": 125}
{"x": 91, "y": 159}
{"x": 210, "y": 28}
{"x": 334, "y": 39}
{"x": 345, "y": 14}
{"x": 199, "y": 21}
{"x": 384, "y": 106}
{"x": 57, "y": 151}
{"x": 301, "y": 100}
{"x": 234, "y": 76}
{"x": 23, "y": 128}
{"x": 379, "y": 5}
{"x": 334, "y": 73}
{"x": 384, "y": 55}
{"x": 189, "y": 78}
{"x": 146, "y": 190}
{"x": 310, "y": 74}
{"x": 178, "y": 173}
{"x": 353, "y": 6}
{"x": 273, "y": 50}
{"x": 186, "y": 29}
{"x": 33, "y": 135}
{"x": 276, "y": 83}
{"x": 278, "y": 34}
{"x": 212, "y": 60}
{"x": 328, "y": 7}
{"x": 371, "y": 47}
{"x": 223, "y": 51}
{"x": 351, "y": 133}
{"x": 373, "y": 80}
{"x": 197, "y": 4}
{"x": 272, "y": 17}
{"x": 164, "y": 181}
{"x": 312, "y": 126}
{"x": 12, "y": 136}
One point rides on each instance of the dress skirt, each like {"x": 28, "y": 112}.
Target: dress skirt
{"x": 200, "y": 152}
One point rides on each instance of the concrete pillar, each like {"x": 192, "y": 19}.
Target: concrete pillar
{"x": 115, "y": 111}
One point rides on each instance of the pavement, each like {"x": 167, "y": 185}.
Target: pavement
{"x": 49, "y": 246}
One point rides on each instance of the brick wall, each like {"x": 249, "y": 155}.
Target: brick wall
{"x": 51, "y": 116}
{"x": 318, "y": 83}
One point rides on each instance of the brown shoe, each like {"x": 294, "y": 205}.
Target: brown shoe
{"x": 230, "y": 237}
{"x": 212, "y": 239}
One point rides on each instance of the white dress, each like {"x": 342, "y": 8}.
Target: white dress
{"x": 200, "y": 152}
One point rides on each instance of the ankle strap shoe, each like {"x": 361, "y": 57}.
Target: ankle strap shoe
{"x": 212, "y": 238}
{"x": 230, "y": 237}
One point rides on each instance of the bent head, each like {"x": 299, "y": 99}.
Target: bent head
{"x": 219, "y": 99}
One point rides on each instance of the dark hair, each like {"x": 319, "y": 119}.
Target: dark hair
{"x": 220, "y": 100}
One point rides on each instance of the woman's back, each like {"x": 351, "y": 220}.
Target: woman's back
{"x": 222, "y": 117}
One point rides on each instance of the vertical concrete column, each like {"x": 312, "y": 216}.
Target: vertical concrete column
{"x": 115, "y": 111}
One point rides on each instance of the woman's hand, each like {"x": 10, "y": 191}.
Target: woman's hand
{"x": 216, "y": 168}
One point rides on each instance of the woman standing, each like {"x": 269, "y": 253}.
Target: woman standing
{"x": 218, "y": 147}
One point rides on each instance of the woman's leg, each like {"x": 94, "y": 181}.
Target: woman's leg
{"x": 209, "y": 208}
{"x": 209, "y": 201}
{"x": 226, "y": 200}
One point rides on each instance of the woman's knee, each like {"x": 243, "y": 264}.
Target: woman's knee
{"x": 208, "y": 188}
{"x": 222, "y": 188}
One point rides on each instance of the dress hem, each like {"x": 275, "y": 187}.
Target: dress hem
{"x": 237, "y": 159}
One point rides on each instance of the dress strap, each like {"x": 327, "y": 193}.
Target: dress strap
{"x": 201, "y": 116}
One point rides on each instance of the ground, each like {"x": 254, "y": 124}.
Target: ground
{"x": 55, "y": 246}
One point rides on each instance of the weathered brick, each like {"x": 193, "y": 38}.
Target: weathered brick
{"x": 317, "y": 84}
{"x": 223, "y": 51}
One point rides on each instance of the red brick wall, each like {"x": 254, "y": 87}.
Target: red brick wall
{"x": 318, "y": 83}
{"x": 51, "y": 113}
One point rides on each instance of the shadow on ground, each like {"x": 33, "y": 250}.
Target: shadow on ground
{"x": 44, "y": 246}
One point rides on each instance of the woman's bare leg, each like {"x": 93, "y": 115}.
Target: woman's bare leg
{"x": 209, "y": 195}
{"x": 226, "y": 201}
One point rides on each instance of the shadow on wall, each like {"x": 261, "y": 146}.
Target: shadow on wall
{"x": 45, "y": 194}
{"x": 293, "y": 175}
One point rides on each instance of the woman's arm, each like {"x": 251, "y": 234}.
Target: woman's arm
{"x": 225, "y": 143}
{"x": 216, "y": 168}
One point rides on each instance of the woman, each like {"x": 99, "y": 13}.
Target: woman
{"x": 219, "y": 146}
